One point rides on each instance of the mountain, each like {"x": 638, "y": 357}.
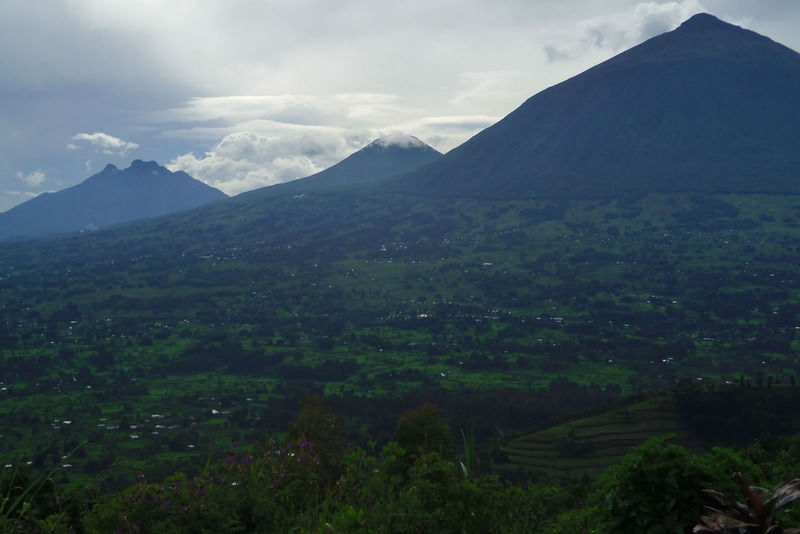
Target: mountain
{"x": 379, "y": 160}
{"x": 708, "y": 107}
{"x": 145, "y": 189}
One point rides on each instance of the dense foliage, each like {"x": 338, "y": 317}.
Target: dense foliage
{"x": 301, "y": 485}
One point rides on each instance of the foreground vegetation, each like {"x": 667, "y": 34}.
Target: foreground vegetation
{"x": 314, "y": 482}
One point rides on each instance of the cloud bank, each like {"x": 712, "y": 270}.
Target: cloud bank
{"x": 248, "y": 160}
{"x": 270, "y": 139}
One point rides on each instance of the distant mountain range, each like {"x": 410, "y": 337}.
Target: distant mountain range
{"x": 145, "y": 189}
{"x": 708, "y": 107}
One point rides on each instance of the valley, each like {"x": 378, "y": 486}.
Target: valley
{"x": 222, "y": 338}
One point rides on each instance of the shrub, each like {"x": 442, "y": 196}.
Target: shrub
{"x": 656, "y": 489}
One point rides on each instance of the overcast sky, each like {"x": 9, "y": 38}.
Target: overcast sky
{"x": 247, "y": 93}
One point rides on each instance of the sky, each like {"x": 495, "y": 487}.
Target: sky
{"x": 243, "y": 94}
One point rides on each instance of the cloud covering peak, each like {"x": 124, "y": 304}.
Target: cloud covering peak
{"x": 398, "y": 139}
{"x": 248, "y": 160}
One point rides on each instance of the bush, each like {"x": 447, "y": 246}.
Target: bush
{"x": 656, "y": 489}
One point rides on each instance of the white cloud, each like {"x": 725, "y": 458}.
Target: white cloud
{"x": 107, "y": 144}
{"x": 269, "y": 112}
{"x": 447, "y": 131}
{"x": 613, "y": 32}
{"x": 34, "y": 178}
{"x": 249, "y": 160}
{"x": 398, "y": 139}
{"x": 355, "y": 118}
{"x": 269, "y": 139}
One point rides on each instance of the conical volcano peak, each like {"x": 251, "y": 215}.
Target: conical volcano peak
{"x": 384, "y": 157}
{"x": 706, "y": 36}
{"x": 703, "y": 22}
{"x": 707, "y": 107}
{"x": 397, "y": 139}
{"x": 701, "y": 38}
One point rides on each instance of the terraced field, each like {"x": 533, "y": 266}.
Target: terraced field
{"x": 588, "y": 446}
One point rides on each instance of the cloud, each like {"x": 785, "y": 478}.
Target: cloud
{"x": 270, "y": 139}
{"x": 249, "y": 160}
{"x": 355, "y": 117}
{"x": 398, "y": 139}
{"x": 108, "y": 144}
{"x": 613, "y": 32}
{"x": 33, "y": 179}
{"x": 340, "y": 110}
{"x": 445, "y": 132}
{"x": 266, "y": 139}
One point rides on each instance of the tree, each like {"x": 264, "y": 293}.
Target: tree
{"x": 423, "y": 430}
{"x": 656, "y": 489}
{"x": 315, "y": 426}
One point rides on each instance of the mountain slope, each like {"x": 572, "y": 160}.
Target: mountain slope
{"x": 708, "y": 107}
{"x": 112, "y": 196}
{"x": 379, "y": 160}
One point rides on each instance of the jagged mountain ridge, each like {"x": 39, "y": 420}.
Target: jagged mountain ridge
{"x": 143, "y": 190}
{"x": 708, "y": 107}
